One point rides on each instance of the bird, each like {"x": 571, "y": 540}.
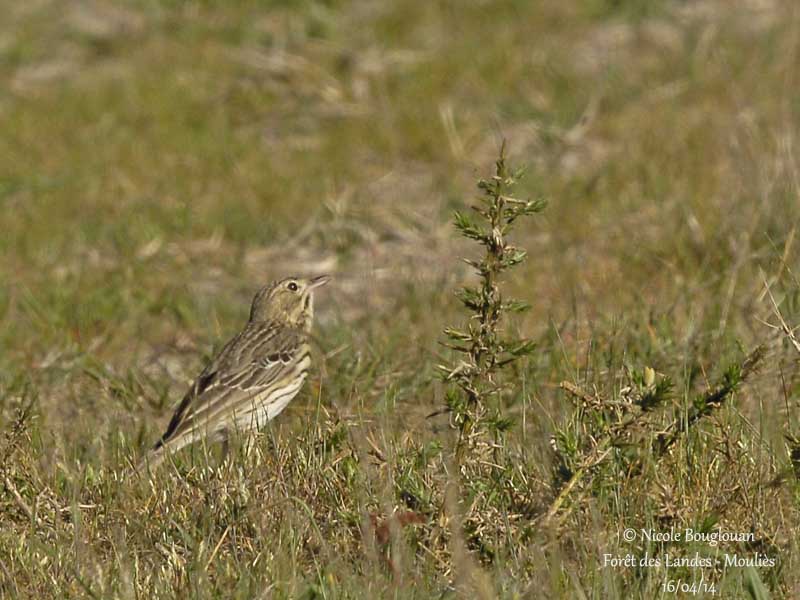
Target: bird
{"x": 255, "y": 374}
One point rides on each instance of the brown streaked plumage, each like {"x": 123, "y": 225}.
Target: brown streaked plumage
{"x": 255, "y": 375}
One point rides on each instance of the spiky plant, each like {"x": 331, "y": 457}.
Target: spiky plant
{"x": 483, "y": 345}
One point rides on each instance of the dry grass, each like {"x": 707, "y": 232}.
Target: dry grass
{"x": 160, "y": 160}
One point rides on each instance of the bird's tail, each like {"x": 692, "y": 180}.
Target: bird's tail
{"x": 151, "y": 460}
{"x": 166, "y": 447}
{"x": 159, "y": 453}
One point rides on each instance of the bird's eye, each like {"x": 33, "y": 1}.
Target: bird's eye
{"x": 292, "y": 286}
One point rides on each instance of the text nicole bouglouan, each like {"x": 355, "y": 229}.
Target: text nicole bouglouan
{"x": 691, "y": 561}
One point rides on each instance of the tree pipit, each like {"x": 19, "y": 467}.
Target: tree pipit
{"x": 255, "y": 375}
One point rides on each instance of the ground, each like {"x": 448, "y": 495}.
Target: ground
{"x": 160, "y": 160}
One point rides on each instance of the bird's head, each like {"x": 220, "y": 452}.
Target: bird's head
{"x": 288, "y": 301}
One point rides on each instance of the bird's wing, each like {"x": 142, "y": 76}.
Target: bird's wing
{"x": 247, "y": 365}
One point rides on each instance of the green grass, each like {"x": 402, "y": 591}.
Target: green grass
{"x": 159, "y": 161}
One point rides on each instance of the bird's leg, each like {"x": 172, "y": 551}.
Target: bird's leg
{"x": 249, "y": 446}
{"x": 226, "y": 447}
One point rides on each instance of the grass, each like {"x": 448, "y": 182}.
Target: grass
{"x": 161, "y": 160}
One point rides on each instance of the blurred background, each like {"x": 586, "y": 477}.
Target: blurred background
{"x": 159, "y": 161}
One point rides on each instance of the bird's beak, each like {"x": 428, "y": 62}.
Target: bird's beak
{"x": 319, "y": 281}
